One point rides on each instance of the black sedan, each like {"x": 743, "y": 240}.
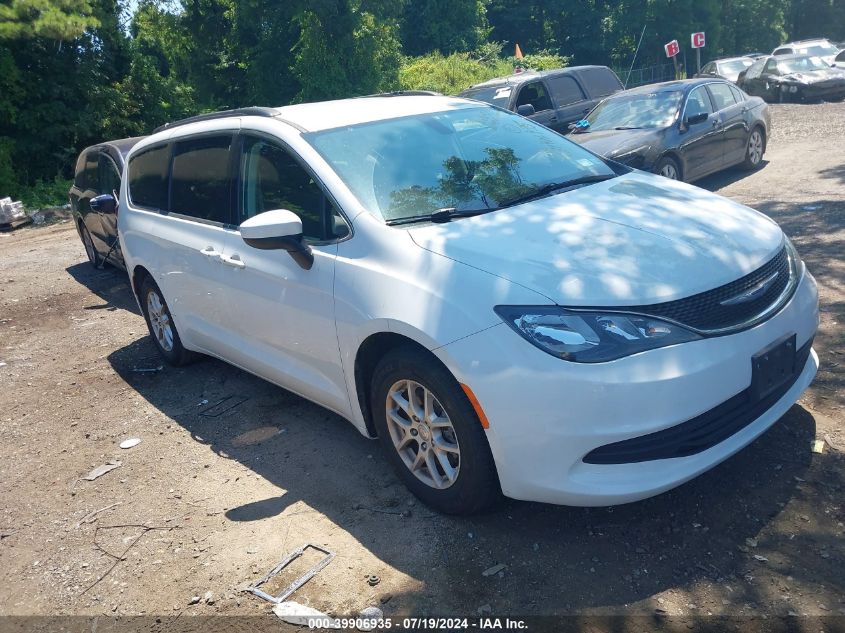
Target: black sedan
{"x": 796, "y": 78}
{"x": 683, "y": 130}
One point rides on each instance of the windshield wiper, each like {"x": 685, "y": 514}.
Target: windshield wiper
{"x": 438, "y": 217}
{"x": 628, "y": 127}
{"x": 551, "y": 187}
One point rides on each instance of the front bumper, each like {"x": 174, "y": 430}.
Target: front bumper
{"x": 546, "y": 414}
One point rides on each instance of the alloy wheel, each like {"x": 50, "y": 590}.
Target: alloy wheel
{"x": 422, "y": 434}
{"x": 755, "y": 147}
{"x": 160, "y": 321}
{"x": 668, "y": 171}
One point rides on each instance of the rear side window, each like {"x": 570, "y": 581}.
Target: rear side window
{"x": 109, "y": 176}
{"x": 722, "y": 96}
{"x": 840, "y": 57}
{"x": 148, "y": 178}
{"x": 739, "y": 95}
{"x": 91, "y": 167}
{"x": 755, "y": 69}
{"x": 199, "y": 181}
{"x": 782, "y": 51}
{"x": 565, "y": 90}
{"x": 79, "y": 175}
{"x": 600, "y": 82}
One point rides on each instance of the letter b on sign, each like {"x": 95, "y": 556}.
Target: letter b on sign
{"x": 672, "y": 48}
{"x": 698, "y": 40}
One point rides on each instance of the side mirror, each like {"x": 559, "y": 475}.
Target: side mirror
{"x": 695, "y": 119}
{"x": 105, "y": 203}
{"x": 526, "y": 110}
{"x": 278, "y": 230}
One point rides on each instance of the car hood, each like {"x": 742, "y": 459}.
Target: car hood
{"x": 613, "y": 143}
{"x": 631, "y": 240}
{"x": 816, "y": 76}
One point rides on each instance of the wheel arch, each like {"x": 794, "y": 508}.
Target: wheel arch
{"x": 676, "y": 156}
{"x": 139, "y": 274}
{"x": 371, "y": 350}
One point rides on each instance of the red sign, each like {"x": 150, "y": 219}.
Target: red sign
{"x": 698, "y": 40}
{"x": 672, "y": 48}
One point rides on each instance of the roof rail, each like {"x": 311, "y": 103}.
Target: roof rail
{"x": 223, "y": 114}
{"x": 404, "y": 93}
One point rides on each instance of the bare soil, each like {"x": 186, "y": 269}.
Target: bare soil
{"x": 212, "y": 503}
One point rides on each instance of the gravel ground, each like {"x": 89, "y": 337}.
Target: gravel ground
{"x": 211, "y": 503}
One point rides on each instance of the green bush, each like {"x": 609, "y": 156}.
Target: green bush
{"x": 45, "y": 193}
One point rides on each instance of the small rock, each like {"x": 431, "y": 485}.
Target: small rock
{"x": 373, "y": 580}
{"x": 194, "y": 600}
{"x": 484, "y": 608}
{"x": 370, "y": 616}
{"x": 536, "y": 547}
{"x": 762, "y": 559}
{"x": 208, "y": 598}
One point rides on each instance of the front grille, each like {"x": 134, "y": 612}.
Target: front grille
{"x": 705, "y": 312}
{"x": 701, "y": 432}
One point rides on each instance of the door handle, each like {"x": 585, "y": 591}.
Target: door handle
{"x": 209, "y": 251}
{"x": 234, "y": 261}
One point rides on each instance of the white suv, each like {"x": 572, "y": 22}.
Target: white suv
{"x": 506, "y": 311}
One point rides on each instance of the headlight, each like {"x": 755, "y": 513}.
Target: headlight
{"x": 634, "y": 159}
{"x": 591, "y": 337}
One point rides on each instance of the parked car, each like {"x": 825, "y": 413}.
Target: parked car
{"x": 506, "y": 311}
{"x": 554, "y": 98}
{"x": 728, "y": 68}
{"x": 820, "y": 47}
{"x": 683, "y": 130}
{"x": 797, "y": 78}
{"x": 93, "y": 199}
{"x": 839, "y": 61}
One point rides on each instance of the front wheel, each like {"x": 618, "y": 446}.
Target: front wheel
{"x": 754, "y": 150}
{"x": 668, "y": 168}
{"x": 161, "y": 325}
{"x": 431, "y": 434}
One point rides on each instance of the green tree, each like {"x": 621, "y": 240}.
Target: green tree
{"x": 443, "y": 25}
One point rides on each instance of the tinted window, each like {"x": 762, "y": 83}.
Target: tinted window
{"x": 739, "y": 95}
{"x": 565, "y": 90}
{"x": 782, "y": 51}
{"x": 498, "y": 95}
{"x": 534, "y": 93}
{"x": 109, "y": 178}
{"x": 722, "y": 96}
{"x": 91, "y": 167}
{"x": 601, "y": 82}
{"x": 148, "y": 178}
{"x": 698, "y": 103}
{"x": 199, "y": 182}
{"x": 771, "y": 67}
{"x": 273, "y": 179}
{"x": 79, "y": 175}
{"x": 709, "y": 68}
{"x": 840, "y": 57}
{"x": 755, "y": 69}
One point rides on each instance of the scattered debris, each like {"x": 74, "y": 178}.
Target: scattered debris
{"x": 99, "y": 471}
{"x": 131, "y": 442}
{"x": 222, "y": 406}
{"x": 370, "y": 619}
{"x": 373, "y": 580}
{"x": 762, "y": 559}
{"x": 88, "y": 518}
{"x": 818, "y": 446}
{"x": 12, "y": 215}
{"x": 147, "y": 370}
{"x": 296, "y": 584}
{"x": 495, "y": 569}
{"x": 295, "y": 613}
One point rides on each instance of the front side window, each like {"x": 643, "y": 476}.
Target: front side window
{"x": 698, "y": 103}
{"x": 722, "y": 95}
{"x": 733, "y": 68}
{"x": 148, "y": 178}
{"x": 565, "y": 90}
{"x": 646, "y": 110}
{"x": 467, "y": 159}
{"x": 772, "y": 67}
{"x": 271, "y": 178}
{"x": 534, "y": 94}
{"x": 802, "y": 65}
{"x": 199, "y": 182}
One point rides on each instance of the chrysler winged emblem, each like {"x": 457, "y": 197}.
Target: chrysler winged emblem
{"x": 752, "y": 293}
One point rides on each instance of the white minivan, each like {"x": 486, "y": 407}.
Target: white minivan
{"x": 506, "y": 311}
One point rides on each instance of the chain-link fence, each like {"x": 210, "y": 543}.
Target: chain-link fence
{"x": 646, "y": 75}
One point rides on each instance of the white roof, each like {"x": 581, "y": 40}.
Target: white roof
{"x": 325, "y": 115}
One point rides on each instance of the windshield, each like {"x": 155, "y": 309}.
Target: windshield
{"x": 818, "y": 49}
{"x": 498, "y": 96}
{"x": 641, "y": 110}
{"x": 468, "y": 159}
{"x": 801, "y": 65}
{"x": 735, "y": 67}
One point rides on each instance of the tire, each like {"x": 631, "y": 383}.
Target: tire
{"x": 754, "y": 149}
{"x": 668, "y": 168}
{"x": 90, "y": 250}
{"x": 472, "y": 484}
{"x": 161, "y": 325}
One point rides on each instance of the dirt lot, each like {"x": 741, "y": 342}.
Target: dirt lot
{"x": 211, "y": 503}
